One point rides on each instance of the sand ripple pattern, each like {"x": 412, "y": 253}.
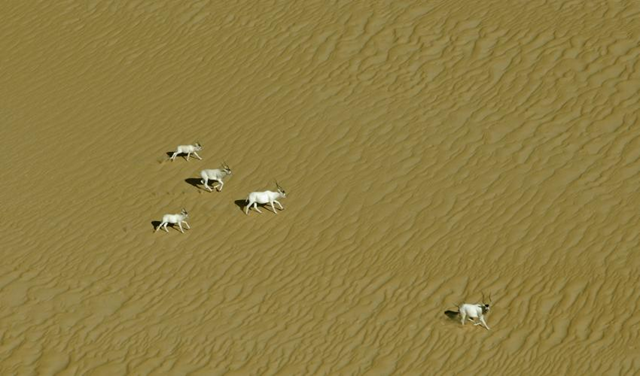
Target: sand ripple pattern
{"x": 431, "y": 151}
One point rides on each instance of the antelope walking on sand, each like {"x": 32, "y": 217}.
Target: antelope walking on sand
{"x": 266, "y": 197}
{"x": 173, "y": 219}
{"x": 215, "y": 175}
{"x": 188, "y": 150}
{"x": 472, "y": 312}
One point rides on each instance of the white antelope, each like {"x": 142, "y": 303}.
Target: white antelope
{"x": 188, "y": 150}
{"x": 266, "y": 197}
{"x": 472, "y": 312}
{"x": 216, "y": 175}
{"x": 173, "y": 219}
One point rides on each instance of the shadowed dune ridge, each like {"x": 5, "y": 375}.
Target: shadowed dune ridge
{"x": 430, "y": 152}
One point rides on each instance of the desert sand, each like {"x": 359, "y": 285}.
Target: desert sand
{"x": 431, "y": 151}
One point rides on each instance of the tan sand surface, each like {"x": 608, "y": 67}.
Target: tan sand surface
{"x": 431, "y": 150}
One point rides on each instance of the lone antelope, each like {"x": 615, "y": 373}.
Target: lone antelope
{"x": 188, "y": 150}
{"x": 173, "y": 219}
{"x": 472, "y": 312}
{"x": 266, "y": 197}
{"x": 216, "y": 175}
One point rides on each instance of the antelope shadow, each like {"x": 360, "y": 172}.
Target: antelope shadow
{"x": 195, "y": 182}
{"x": 155, "y": 225}
{"x": 241, "y": 204}
{"x": 183, "y": 155}
{"x": 452, "y": 315}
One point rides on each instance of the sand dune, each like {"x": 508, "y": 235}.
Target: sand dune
{"x": 430, "y": 151}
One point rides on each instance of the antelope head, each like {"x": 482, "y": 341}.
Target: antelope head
{"x": 281, "y": 190}
{"x": 486, "y": 305}
{"x": 226, "y": 168}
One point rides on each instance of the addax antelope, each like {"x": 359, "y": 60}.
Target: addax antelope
{"x": 266, "y": 197}
{"x": 188, "y": 150}
{"x": 174, "y": 219}
{"x": 215, "y": 175}
{"x": 472, "y": 312}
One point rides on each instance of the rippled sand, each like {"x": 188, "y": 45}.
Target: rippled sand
{"x": 431, "y": 151}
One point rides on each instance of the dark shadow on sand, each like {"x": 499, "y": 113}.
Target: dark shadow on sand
{"x": 241, "y": 204}
{"x": 453, "y": 315}
{"x": 183, "y": 155}
{"x": 155, "y": 224}
{"x": 195, "y": 182}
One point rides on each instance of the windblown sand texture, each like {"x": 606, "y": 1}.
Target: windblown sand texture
{"x": 431, "y": 150}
